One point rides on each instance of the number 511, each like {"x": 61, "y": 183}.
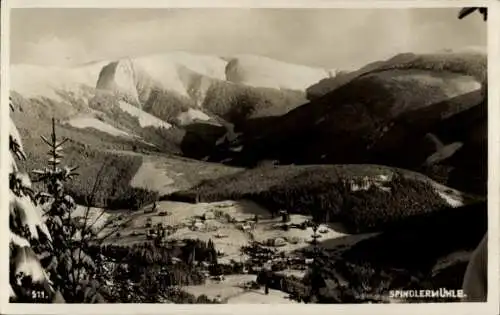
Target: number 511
{"x": 38, "y": 294}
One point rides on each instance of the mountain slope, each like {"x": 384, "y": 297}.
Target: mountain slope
{"x": 261, "y": 71}
{"x": 157, "y": 98}
{"x": 382, "y": 116}
{"x": 327, "y": 85}
{"x": 136, "y": 79}
{"x": 428, "y": 252}
{"x": 166, "y": 86}
{"x": 363, "y": 198}
{"x": 34, "y": 81}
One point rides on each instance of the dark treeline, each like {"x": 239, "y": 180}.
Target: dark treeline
{"x": 326, "y": 193}
{"x": 147, "y": 253}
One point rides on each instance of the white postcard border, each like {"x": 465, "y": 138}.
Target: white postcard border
{"x": 491, "y": 307}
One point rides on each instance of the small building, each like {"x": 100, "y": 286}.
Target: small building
{"x": 323, "y": 229}
{"x": 225, "y": 205}
{"x": 257, "y": 268}
{"x": 221, "y": 235}
{"x": 209, "y": 215}
{"x": 198, "y": 226}
{"x": 277, "y": 242}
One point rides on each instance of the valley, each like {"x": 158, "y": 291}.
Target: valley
{"x": 312, "y": 174}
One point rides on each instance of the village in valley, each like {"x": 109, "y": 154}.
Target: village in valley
{"x": 283, "y": 164}
{"x": 245, "y": 245}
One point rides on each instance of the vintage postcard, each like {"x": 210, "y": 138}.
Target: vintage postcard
{"x": 276, "y": 157}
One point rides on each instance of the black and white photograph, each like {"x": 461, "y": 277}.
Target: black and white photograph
{"x": 247, "y": 155}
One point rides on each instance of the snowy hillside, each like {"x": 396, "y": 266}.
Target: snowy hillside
{"x": 266, "y": 72}
{"x": 145, "y": 119}
{"x": 43, "y": 81}
{"x": 167, "y": 85}
{"x": 190, "y": 116}
{"x": 137, "y": 78}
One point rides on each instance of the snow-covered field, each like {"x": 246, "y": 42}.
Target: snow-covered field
{"x": 453, "y": 197}
{"x": 444, "y": 153}
{"x": 145, "y": 119}
{"x": 190, "y": 116}
{"x": 451, "y": 84}
{"x": 136, "y": 77}
{"x": 262, "y": 71}
{"x": 154, "y": 177}
{"x": 96, "y": 217}
{"x": 94, "y": 123}
{"x": 228, "y": 237}
{"x": 46, "y": 81}
{"x": 231, "y": 290}
{"x": 184, "y": 216}
{"x": 167, "y": 175}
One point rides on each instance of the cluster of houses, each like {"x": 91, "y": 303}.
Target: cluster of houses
{"x": 264, "y": 254}
{"x": 274, "y": 261}
{"x": 204, "y": 223}
{"x": 246, "y": 226}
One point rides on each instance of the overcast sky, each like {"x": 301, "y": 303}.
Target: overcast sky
{"x": 332, "y": 38}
